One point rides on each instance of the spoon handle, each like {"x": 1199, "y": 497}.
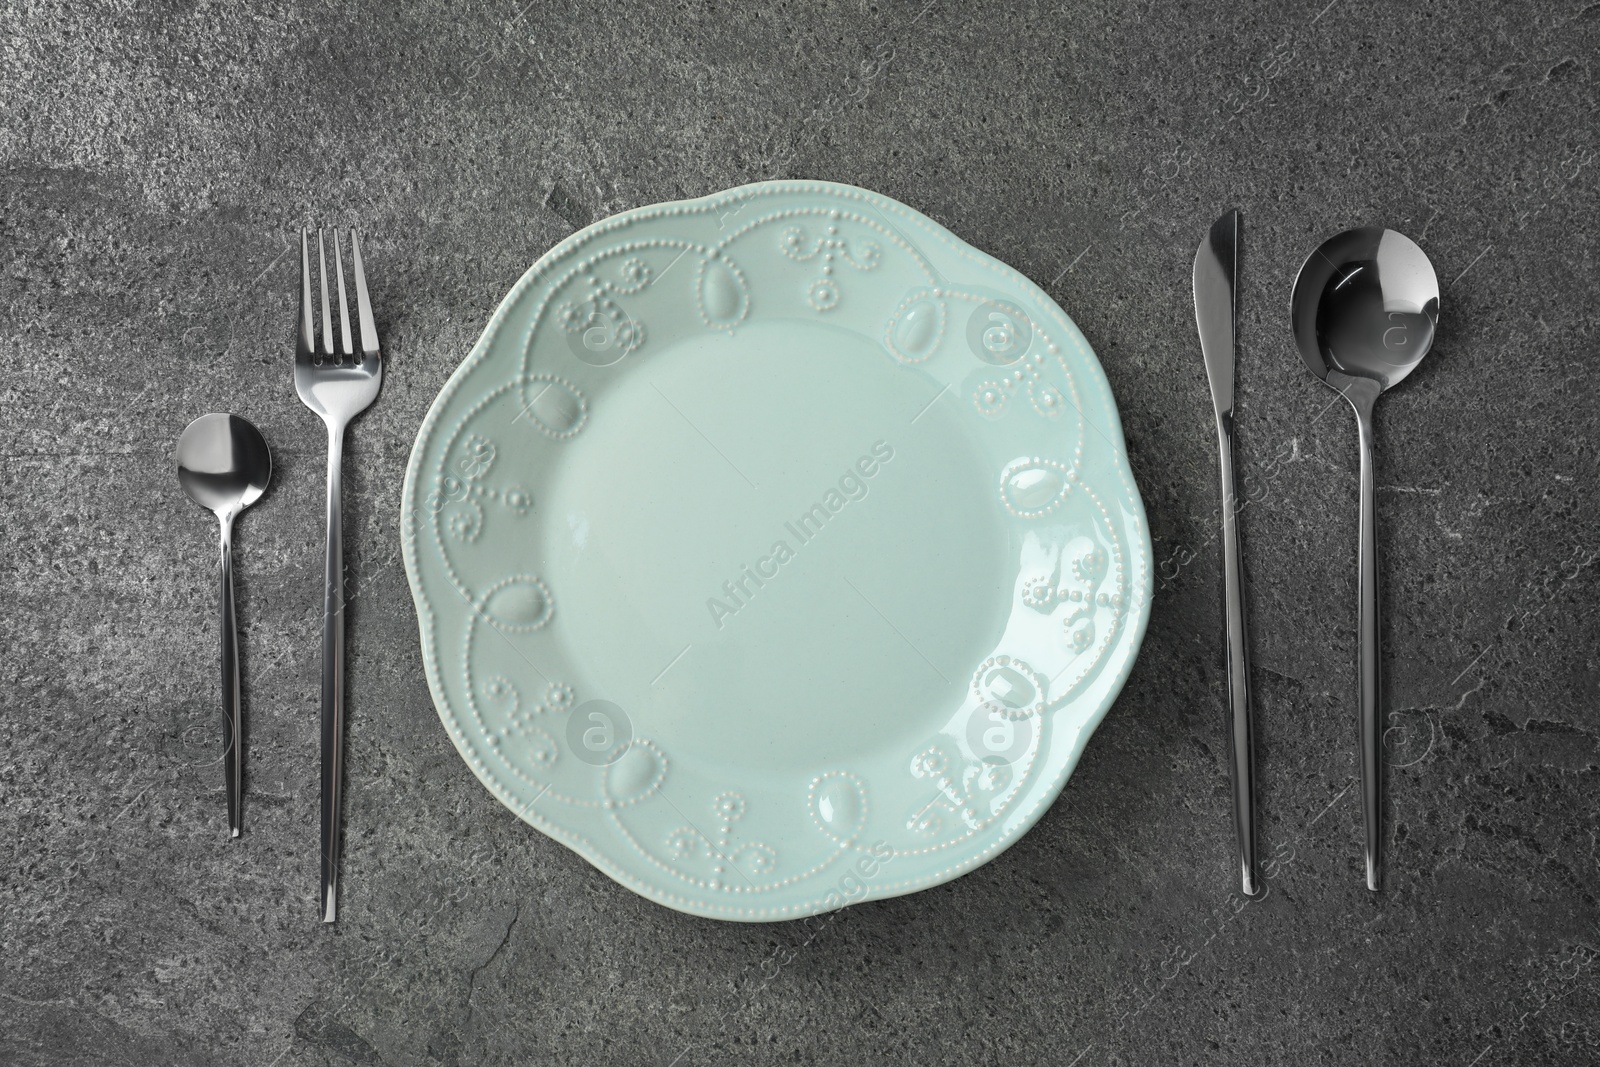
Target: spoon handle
{"x": 232, "y": 736}
{"x": 1371, "y": 727}
{"x": 333, "y": 685}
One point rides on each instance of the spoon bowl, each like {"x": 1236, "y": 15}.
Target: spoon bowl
{"x": 223, "y": 463}
{"x": 1364, "y": 310}
{"x": 224, "y": 466}
{"x": 1365, "y": 305}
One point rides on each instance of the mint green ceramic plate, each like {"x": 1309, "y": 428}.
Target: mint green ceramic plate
{"x": 776, "y": 551}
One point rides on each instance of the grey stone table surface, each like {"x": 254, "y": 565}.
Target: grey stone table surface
{"x": 155, "y": 160}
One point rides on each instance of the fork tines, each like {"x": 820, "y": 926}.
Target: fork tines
{"x": 306, "y": 342}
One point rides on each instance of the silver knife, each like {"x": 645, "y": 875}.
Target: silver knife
{"x": 1216, "y": 268}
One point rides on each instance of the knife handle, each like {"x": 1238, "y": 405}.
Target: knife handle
{"x": 1242, "y": 748}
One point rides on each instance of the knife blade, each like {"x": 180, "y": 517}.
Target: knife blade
{"x": 1216, "y": 268}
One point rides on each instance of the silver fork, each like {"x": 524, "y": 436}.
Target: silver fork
{"x": 338, "y": 383}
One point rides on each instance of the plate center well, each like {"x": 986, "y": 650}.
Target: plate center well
{"x": 778, "y": 550}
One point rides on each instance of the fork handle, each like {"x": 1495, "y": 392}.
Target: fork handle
{"x": 333, "y": 685}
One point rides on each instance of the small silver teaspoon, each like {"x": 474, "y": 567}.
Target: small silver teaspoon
{"x": 1365, "y": 306}
{"x": 224, "y": 466}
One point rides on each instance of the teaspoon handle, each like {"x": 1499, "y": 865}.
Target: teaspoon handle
{"x": 1237, "y": 640}
{"x": 1371, "y": 727}
{"x": 333, "y": 685}
{"x": 232, "y": 735}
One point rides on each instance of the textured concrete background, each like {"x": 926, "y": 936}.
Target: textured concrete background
{"x": 153, "y": 164}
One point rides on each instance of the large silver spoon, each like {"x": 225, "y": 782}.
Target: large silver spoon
{"x": 1365, "y": 306}
{"x": 224, "y": 466}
